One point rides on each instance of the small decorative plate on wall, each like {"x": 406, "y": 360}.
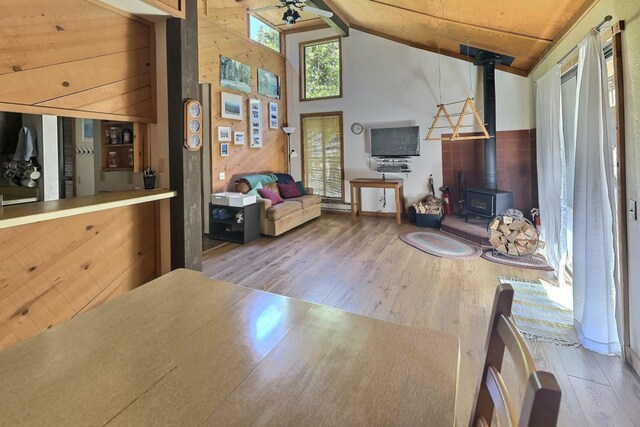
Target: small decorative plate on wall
{"x": 357, "y": 128}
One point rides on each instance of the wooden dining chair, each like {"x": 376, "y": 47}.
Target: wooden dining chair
{"x": 541, "y": 401}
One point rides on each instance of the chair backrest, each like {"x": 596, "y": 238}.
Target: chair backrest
{"x": 541, "y": 401}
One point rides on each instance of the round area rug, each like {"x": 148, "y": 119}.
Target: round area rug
{"x": 441, "y": 245}
{"x": 533, "y": 262}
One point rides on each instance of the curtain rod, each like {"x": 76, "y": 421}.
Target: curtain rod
{"x": 597, "y": 28}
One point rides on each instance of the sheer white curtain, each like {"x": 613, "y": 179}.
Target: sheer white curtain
{"x": 594, "y": 237}
{"x": 551, "y": 168}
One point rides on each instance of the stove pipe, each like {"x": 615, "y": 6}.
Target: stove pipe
{"x": 488, "y": 60}
{"x": 489, "y": 80}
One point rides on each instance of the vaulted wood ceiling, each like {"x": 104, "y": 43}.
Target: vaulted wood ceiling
{"x": 519, "y": 28}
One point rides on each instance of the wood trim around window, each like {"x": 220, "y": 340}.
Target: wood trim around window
{"x": 324, "y": 114}
{"x": 303, "y": 76}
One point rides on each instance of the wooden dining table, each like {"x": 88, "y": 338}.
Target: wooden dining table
{"x": 185, "y": 350}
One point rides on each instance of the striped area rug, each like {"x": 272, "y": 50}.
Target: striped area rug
{"x": 543, "y": 311}
{"x": 441, "y": 245}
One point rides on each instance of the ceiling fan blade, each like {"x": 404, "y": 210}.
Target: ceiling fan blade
{"x": 263, "y": 9}
{"x": 317, "y": 11}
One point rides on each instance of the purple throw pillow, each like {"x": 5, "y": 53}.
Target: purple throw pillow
{"x": 268, "y": 194}
{"x": 289, "y": 190}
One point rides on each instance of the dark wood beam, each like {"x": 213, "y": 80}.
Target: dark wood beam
{"x": 335, "y": 22}
{"x": 184, "y": 165}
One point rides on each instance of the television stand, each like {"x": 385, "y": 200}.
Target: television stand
{"x": 397, "y": 184}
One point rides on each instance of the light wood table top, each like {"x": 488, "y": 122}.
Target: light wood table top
{"x": 356, "y": 195}
{"x": 187, "y": 350}
{"x": 29, "y": 213}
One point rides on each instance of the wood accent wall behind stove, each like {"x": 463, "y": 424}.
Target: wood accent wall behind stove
{"x": 516, "y": 166}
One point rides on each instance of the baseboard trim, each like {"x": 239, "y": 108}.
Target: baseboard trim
{"x": 379, "y": 214}
{"x": 336, "y": 211}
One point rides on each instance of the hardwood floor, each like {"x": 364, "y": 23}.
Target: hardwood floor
{"x": 363, "y": 267}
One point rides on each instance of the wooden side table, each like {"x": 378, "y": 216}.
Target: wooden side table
{"x": 356, "y": 194}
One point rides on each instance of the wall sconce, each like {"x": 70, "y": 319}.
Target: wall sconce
{"x": 291, "y": 154}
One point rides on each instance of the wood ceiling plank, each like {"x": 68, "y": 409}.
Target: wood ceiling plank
{"x": 539, "y": 18}
{"x": 457, "y": 21}
{"x": 431, "y": 33}
{"x": 434, "y": 34}
{"x": 586, "y": 7}
{"x": 452, "y": 54}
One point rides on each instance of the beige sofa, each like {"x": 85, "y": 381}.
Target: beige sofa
{"x": 277, "y": 219}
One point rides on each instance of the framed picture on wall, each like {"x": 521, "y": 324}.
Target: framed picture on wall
{"x": 87, "y": 130}
{"x": 231, "y": 106}
{"x": 235, "y": 75}
{"x": 238, "y": 138}
{"x": 273, "y": 115}
{"x": 268, "y": 84}
{"x": 224, "y": 134}
{"x": 224, "y": 149}
{"x": 255, "y": 123}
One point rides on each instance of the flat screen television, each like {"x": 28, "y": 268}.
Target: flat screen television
{"x": 395, "y": 142}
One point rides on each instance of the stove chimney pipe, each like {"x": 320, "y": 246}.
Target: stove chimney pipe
{"x": 488, "y": 60}
{"x": 490, "y": 168}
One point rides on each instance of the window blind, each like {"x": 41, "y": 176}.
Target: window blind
{"x": 322, "y": 155}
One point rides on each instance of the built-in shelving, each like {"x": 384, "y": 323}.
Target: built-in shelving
{"x": 138, "y": 135}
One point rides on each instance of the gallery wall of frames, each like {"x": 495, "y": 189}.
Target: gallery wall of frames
{"x": 248, "y": 102}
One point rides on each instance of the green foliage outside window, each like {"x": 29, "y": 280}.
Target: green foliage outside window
{"x": 264, "y": 34}
{"x": 322, "y": 70}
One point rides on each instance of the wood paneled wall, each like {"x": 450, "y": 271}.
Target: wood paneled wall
{"x": 231, "y": 39}
{"x": 76, "y": 58}
{"x": 51, "y": 271}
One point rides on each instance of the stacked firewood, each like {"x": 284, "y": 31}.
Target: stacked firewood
{"x": 429, "y": 205}
{"x": 513, "y": 236}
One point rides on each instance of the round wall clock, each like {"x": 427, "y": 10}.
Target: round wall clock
{"x": 192, "y": 125}
{"x": 357, "y": 128}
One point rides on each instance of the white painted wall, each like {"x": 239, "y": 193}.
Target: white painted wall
{"x": 629, "y": 11}
{"x": 386, "y": 84}
{"x": 46, "y": 128}
{"x": 85, "y": 164}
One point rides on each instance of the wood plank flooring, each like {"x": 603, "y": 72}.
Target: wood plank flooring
{"x": 363, "y": 267}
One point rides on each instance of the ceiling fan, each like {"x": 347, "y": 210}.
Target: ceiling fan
{"x": 291, "y": 15}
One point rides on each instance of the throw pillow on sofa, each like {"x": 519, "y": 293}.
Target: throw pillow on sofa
{"x": 268, "y": 194}
{"x": 254, "y": 191}
{"x": 301, "y": 189}
{"x": 289, "y": 190}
